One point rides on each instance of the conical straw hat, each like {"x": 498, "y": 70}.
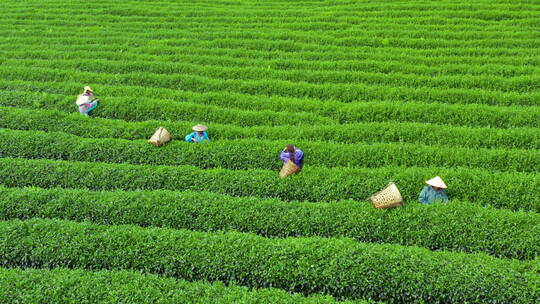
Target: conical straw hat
{"x": 199, "y": 128}
{"x": 87, "y": 88}
{"x": 436, "y": 182}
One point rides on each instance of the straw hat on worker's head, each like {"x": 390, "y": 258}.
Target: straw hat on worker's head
{"x": 199, "y": 128}
{"x": 87, "y": 88}
{"x": 436, "y": 182}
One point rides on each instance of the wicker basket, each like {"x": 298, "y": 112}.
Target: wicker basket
{"x": 160, "y": 137}
{"x": 387, "y": 198}
{"x": 289, "y": 168}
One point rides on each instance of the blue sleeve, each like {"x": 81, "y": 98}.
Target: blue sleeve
{"x": 205, "y": 136}
{"x": 445, "y": 197}
{"x": 284, "y": 156}
{"x": 299, "y": 154}
{"x": 189, "y": 137}
{"x": 422, "y": 198}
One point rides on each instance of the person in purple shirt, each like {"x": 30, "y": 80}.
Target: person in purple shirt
{"x": 292, "y": 153}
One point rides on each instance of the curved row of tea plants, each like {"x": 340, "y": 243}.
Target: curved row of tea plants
{"x": 426, "y": 134}
{"x": 457, "y": 226}
{"x": 142, "y": 109}
{"x": 492, "y": 90}
{"x": 400, "y": 60}
{"x": 146, "y": 109}
{"x": 48, "y": 93}
{"x": 339, "y": 267}
{"x": 218, "y": 34}
{"x": 45, "y": 94}
{"x": 507, "y": 190}
{"x": 270, "y": 87}
{"x": 219, "y": 57}
{"x": 258, "y": 154}
{"x": 61, "y": 285}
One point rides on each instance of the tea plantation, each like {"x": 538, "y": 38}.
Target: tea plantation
{"x": 373, "y": 91}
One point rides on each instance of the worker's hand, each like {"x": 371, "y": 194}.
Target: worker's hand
{"x": 194, "y": 139}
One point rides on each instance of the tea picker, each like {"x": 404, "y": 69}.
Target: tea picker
{"x": 86, "y": 102}
{"x": 199, "y": 135}
{"x": 292, "y": 159}
{"x": 433, "y": 192}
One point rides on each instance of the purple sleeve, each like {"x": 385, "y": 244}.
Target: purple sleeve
{"x": 284, "y": 156}
{"x": 298, "y": 154}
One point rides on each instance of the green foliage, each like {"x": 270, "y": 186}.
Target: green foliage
{"x": 78, "y": 286}
{"x": 343, "y": 86}
{"x": 373, "y": 91}
{"x": 265, "y": 112}
{"x": 457, "y": 226}
{"x": 144, "y": 109}
{"x": 342, "y": 268}
{"x": 258, "y": 154}
{"x": 510, "y": 190}
{"x": 426, "y": 134}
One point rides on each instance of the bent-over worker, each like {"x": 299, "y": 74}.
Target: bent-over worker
{"x": 433, "y": 192}
{"x": 292, "y": 153}
{"x": 87, "y": 101}
{"x": 199, "y": 135}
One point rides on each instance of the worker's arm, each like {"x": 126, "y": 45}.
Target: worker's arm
{"x": 423, "y": 197}
{"x": 205, "y": 136}
{"x": 189, "y": 137}
{"x": 444, "y": 198}
{"x": 284, "y": 156}
{"x": 298, "y": 154}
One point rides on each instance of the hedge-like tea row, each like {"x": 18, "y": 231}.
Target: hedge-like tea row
{"x": 203, "y": 56}
{"x": 62, "y": 285}
{"x": 306, "y": 47}
{"x": 494, "y": 90}
{"x": 56, "y": 121}
{"x": 457, "y": 226}
{"x": 457, "y": 38}
{"x": 64, "y": 93}
{"x": 344, "y": 86}
{"x": 139, "y": 109}
{"x": 251, "y": 37}
{"x": 220, "y": 79}
{"x": 458, "y": 61}
{"x": 144, "y": 109}
{"x": 339, "y": 267}
{"x": 508, "y": 190}
{"x": 257, "y": 154}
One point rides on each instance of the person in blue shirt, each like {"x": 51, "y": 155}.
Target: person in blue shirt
{"x": 199, "y": 136}
{"x": 433, "y": 192}
{"x": 292, "y": 153}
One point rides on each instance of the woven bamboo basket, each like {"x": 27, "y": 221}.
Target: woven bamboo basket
{"x": 388, "y": 197}
{"x": 160, "y": 137}
{"x": 289, "y": 168}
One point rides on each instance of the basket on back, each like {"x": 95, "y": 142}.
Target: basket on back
{"x": 387, "y": 197}
{"x": 160, "y": 137}
{"x": 289, "y": 168}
